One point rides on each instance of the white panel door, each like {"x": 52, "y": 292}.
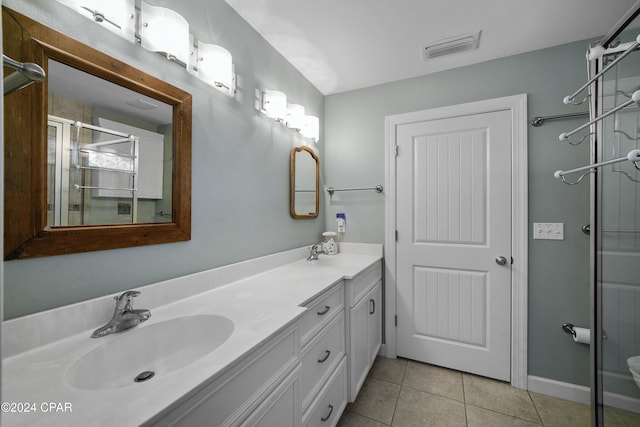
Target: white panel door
{"x": 454, "y": 224}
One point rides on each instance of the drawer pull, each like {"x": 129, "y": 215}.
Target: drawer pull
{"x": 327, "y": 353}
{"x": 325, "y": 419}
{"x": 372, "y": 304}
{"x": 325, "y": 311}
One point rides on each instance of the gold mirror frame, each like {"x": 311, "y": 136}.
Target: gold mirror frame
{"x": 292, "y": 183}
{"x": 26, "y": 234}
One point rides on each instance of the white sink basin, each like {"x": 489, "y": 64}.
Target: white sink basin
{"x": 159, "y": 348}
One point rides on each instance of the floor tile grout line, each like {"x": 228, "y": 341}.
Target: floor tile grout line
{"x": 433, "y": 393}
{"x": 395, "y": 407}
{"x": 464, "y": 389}
{"x": 464, "y": 399}
{"x": 533, "y": 401}
{"x": 369, "y": 418}
{"x": 507, "y": 415}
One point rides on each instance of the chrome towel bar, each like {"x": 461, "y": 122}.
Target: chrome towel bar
{"x": 633, "y": 156}
{"x": 635, "y": 99}
{"x": 540, "y": 120}
{"x": 571, "y": 98}
{"x": 378, "y": 189}
{"x": 26, "y": 73}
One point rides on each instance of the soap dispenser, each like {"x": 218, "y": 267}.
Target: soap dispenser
{"x": 329, "y": 245}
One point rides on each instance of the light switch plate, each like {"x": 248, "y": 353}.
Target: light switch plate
{"x": 548, "y": 230}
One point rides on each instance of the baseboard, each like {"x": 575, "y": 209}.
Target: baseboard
{"x": 383, "y": 350}
{"x": 567, "y": 391}
{"x": 622, "y": 402}
{"x": 579, "y": 393}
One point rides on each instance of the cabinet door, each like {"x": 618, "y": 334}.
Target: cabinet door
{"x": 358, "y": 346}
{"x": 374, "y": 323}
{"x": 365, "y": 323}
{"x": 281, "y": 408}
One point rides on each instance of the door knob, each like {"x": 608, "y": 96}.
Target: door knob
{"x": 501, "y": 260}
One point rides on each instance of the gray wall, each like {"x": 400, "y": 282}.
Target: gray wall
{"x": 558, "y": 270}
{"x": 240, "y": 198}
{"x": 240, "y": 174}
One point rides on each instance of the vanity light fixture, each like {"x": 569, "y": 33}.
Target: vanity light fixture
{"x": 274, "y": 105}
{"x": 117, "y": 16}
{"x": 163, "y": 30}
{"x": 295, "y": 117}
{"x": 166, "y": 31}
{"x": 311, "y": 128}
{"x": 215, "y": 67}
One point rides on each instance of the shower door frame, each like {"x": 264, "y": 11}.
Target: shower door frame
{"x": 595, "y": 110}
{"x": 597, "y": 154}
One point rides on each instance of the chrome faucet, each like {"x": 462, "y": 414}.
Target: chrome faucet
{"x": 124, "y": 316}
{"x": 314, "y": 253}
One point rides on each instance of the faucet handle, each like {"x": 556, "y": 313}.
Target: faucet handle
{"x": 125, "y": 300}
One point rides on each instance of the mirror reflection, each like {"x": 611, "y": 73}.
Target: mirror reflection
{"x": 109, "y": 152}
{"x": 304, "y": 195}
{"x": 97, "y": 156}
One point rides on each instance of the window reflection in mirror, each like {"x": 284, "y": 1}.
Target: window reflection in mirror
{"x": 109, "y": 152}
{"x": 304, "y": 195}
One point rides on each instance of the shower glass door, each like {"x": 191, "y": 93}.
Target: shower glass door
{"x": 617, "y": 242}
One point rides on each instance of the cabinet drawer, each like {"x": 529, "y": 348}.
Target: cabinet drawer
{"x": 325, "y": 411}
{"x": 357, "y": 287}
{"x": 320, "y": 312}
{"x": 320, "y": 358}
{"x": 231, "y": 398}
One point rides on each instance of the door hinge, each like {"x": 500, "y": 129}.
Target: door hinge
{"x": 396, "y": 148}
{"x": 395, "y": 320}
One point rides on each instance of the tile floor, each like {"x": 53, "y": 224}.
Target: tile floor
{"x": 403, "y": 393}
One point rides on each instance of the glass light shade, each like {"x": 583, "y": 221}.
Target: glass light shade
{"x": 164, "y": 30}
{"x": 295, "y": 117}
{"x": 311, "y": 128}
{"x": 274, "y": 104}
{"x": 117, "y": 16}
{"x": 215, "y": 66}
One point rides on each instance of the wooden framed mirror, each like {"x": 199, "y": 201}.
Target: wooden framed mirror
{"x": 30, "y": 228}
{"x": 304, "y": 191}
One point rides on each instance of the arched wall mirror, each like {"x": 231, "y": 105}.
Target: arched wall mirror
{"x": 97, "y": 156}
{"x": 304, "y": 183}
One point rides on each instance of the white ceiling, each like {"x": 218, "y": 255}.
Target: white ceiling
{"x": 340, "y": 45}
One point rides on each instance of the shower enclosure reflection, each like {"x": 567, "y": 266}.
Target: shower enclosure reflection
{"x": 109, "y": 153}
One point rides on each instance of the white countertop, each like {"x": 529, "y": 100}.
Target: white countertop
{"x": 259, "y": 306}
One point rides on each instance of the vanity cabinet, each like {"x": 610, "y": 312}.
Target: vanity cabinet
{"x": 323, "y": 378}
{"x": 261, "y": 390}
{"x": 281, "y": 408}
{"x": 364, "y": 324}
{"x": 328, "y": 406}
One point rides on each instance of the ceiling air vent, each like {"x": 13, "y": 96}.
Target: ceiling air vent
{"x": 142, "y": 104}
{"x": 450, "y": 45}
